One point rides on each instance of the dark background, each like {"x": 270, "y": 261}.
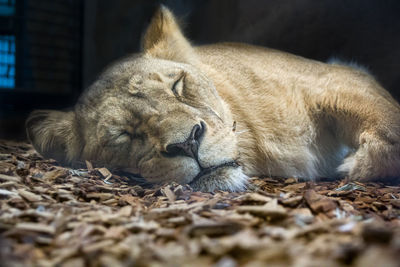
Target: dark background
{"x": 62, "y": 45}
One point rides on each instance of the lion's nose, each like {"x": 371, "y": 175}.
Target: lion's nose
{"x": 190, "y": 147}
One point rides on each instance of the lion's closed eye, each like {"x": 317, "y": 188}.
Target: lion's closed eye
{"x": 129, "y": 136}
{"x": 122, "y": 138}
{"x": 121, "y": 135}
{"x": 125, "y": 134}
{"x": 178, "y": 85}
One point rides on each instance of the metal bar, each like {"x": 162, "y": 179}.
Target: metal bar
{"x": 53, "y": 34}
{"x": 72, "y": 48}
{"x": 52, "y": 69}
{"x": 58, "y": 13}
{"x": 53, "y": 23}
{"x": 19, "y": 39}
{"x": 53, "y": 19}
{"x": 55, "y": 57}
{"x": 50, "y": 80}
{"x": 48, "y": 36}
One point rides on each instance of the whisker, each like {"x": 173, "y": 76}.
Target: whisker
{"x": 240, "y": 132}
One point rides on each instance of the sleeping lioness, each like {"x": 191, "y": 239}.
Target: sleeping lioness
{"x": 211, "y": 116}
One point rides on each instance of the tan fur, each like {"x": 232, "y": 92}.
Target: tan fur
{"x": 294, "y": 117}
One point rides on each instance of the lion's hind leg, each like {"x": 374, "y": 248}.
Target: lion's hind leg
{"x": 366, "y": 119}
{"x": 375, "y": 158}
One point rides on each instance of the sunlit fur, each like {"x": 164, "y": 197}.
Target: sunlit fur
{"x": 273, "y": 113}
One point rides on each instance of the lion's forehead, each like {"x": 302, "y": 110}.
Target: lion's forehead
{"x": 143, "y": 78}
{"x": 150, "y": 111}
{"x": 146, "y": 69}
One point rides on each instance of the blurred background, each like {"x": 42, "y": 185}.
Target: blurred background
{"x": 50, "y": 50}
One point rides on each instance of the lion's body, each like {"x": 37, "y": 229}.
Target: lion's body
{"x": 266, "y": 92}
{"x": 213, "y": 115}
{"x": 291, "y": 111}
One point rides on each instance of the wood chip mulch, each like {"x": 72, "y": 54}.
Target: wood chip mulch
{"x": 55, "y": 216}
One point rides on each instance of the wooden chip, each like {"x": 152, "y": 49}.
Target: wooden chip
{"x": 292, "y": 202}
{"x": 4, "y": 192}
{"x": 294, "y": 187}
{"x": 395, "y": 202}
{"x": 97, "y": 246}
{"x": 351, "y": 187}
{"x": 89, "y": 165}
{"x": 128, "y": 199}
{"x": 177, "y": 220}
{"x": 109, "y": 260}
{"x": 302, "y": 216}
{"x": 319, "y": 203}
{"x": 142, "y": 226}
{"x": 167, "y": 212}
{"x": 6, "y": 167}
{"x": 214, "y": 229}
{"x": 269, "y": 213}
{"x": 101, "y": 196}
{"x": 115, "y": 232}
{"x": 37, "y": 213}
{"x": 291, "y": 180}
{"x": 105, "y": 172}
{"x": 36, "y": 227}
{"x": 125, "y": 211}
{"x": 29, "y": 195}
{"x": 10, "y": 178}
{"x": 52, "y": 175}
{"x": 8, "y": 184}
{"x": 74, "y": 262}
{"x": 169, "y": 194}
{"x": 254, "y": 198}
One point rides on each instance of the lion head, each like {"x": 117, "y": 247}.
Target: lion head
{"x": 155, "y": 114}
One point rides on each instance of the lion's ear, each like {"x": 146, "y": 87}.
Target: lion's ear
{"x": 164, "y": 39}
{"x": 54, "y": 134}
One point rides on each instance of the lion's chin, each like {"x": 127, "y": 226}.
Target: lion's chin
{"x": 227, "y": 177}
